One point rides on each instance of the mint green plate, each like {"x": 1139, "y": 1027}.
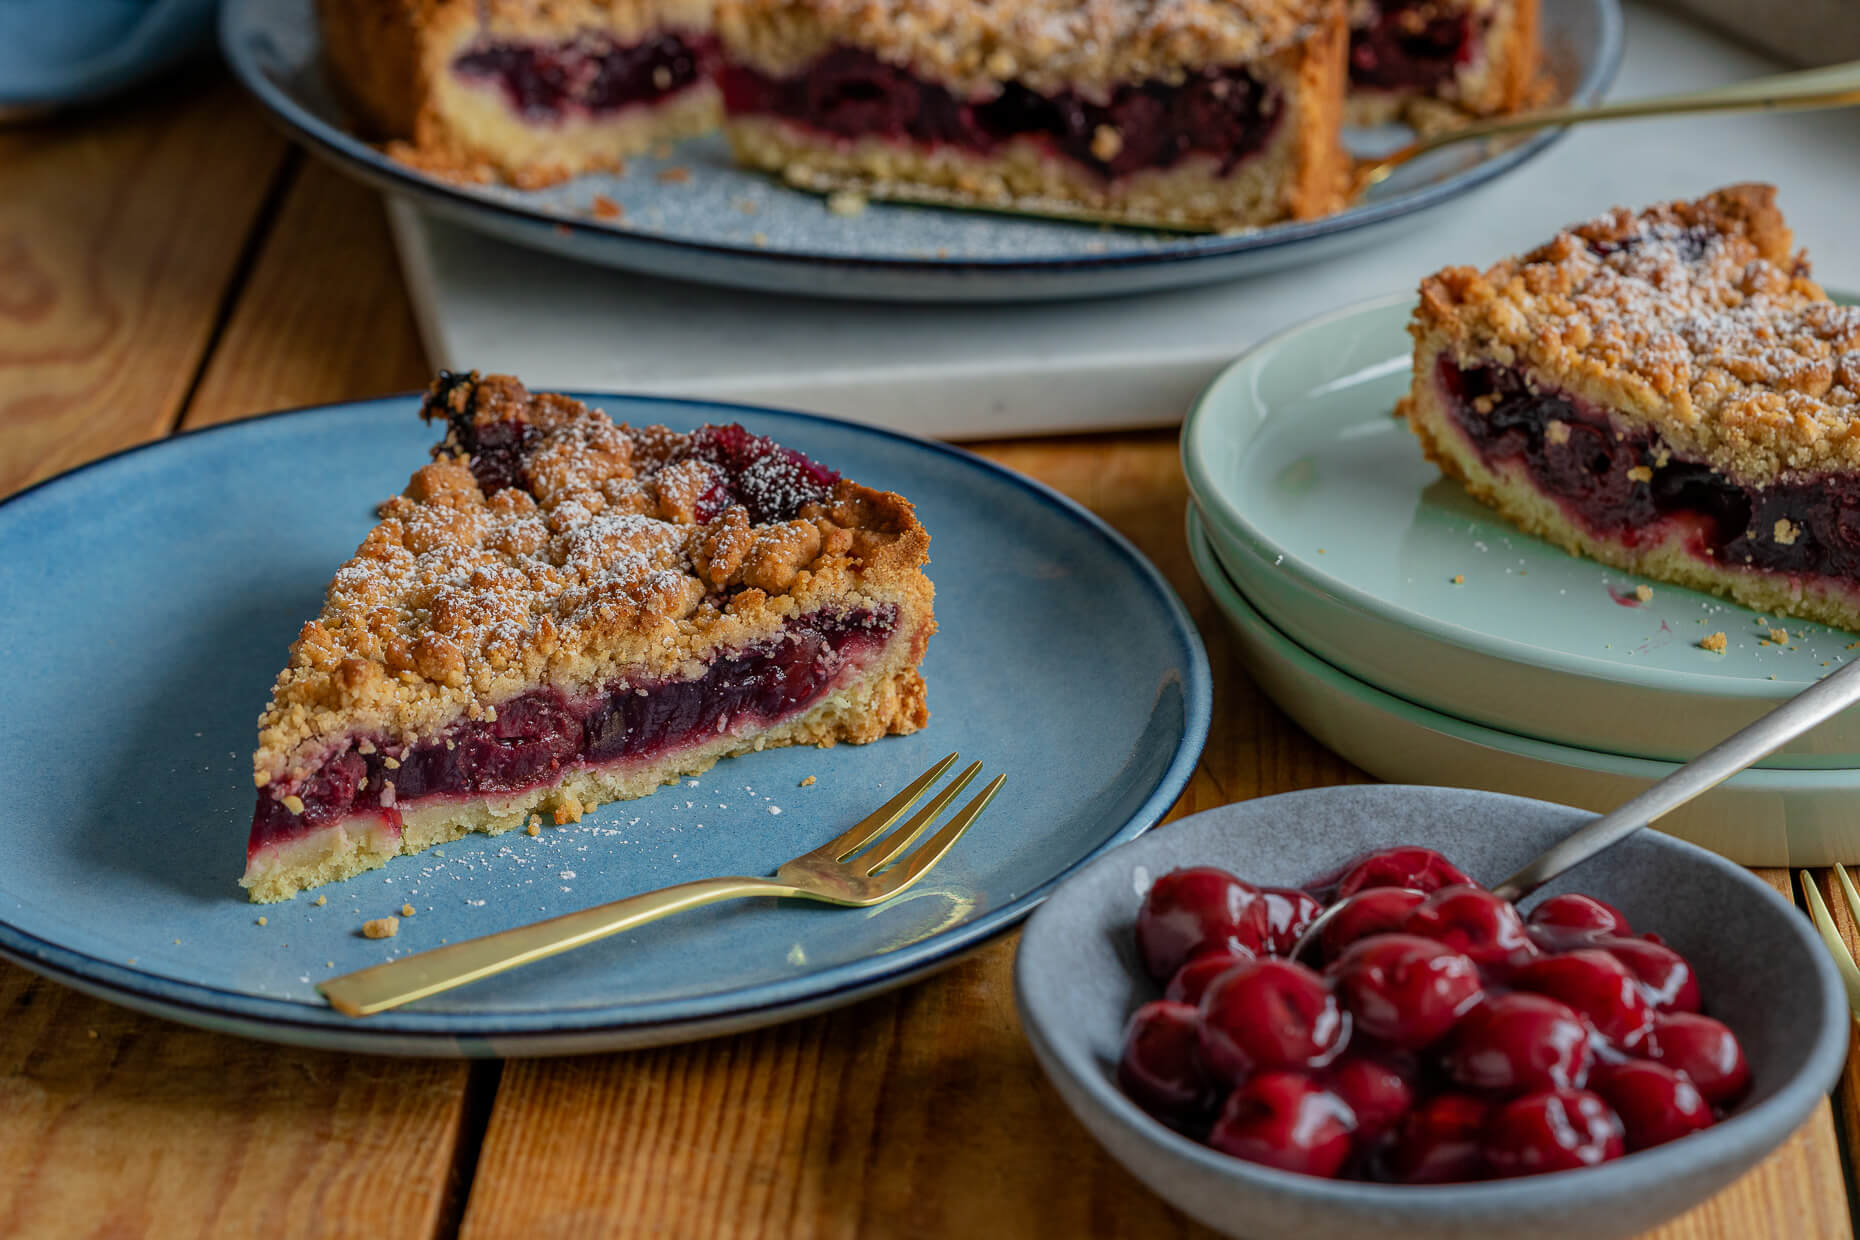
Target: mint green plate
{"x": 1321, "y": 506}
{"x": 1757, "y": 817}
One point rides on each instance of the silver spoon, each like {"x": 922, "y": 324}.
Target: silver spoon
{"x": 1820, "y": 701}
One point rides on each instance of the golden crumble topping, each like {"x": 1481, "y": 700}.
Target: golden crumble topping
{"x": 381, "y": 927}
{"x": 1048, "y": 45}
{"x": 1698, "y": 319}
{"x": 546, "y": 545}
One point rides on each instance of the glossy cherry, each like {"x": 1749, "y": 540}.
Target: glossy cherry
{"x": 1422, "y": 869}
{"x": 1705, "y": 1050}
{"x": 1288, "y": 912}
{"x": 1577, "y": 912}
{"x": 1159, "y": 1067}
{"x": 1376, "y": 910}
{"x": 1441, "y": 1141}
{"x": 1379, "y": 1094}
{"x": 1269, "y": 1014}
{"x": 1665, "y": 977}
{"x": 1552, "y": 1130}
{"x": 1475, "y": 923}
{"x": 1285, "y": 1120}
{"x": 1520, "y": 1043}
{"x": 1404, "y": 990}
{"x": 1202, "y": 909}
{"x": 1655, "y": 1103}
{"x": 1602, "y": 989}
{"x": 1191, "y": 980}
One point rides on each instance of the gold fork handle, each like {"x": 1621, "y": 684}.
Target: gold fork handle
{"x": 389, "y": 985}
{"x": 1830, "y": 87}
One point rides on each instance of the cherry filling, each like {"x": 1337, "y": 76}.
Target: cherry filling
{"x": 1410, "y": 45}
{"x": 591, "y": 73}
{"x": 536, "y": 736}
{"x": 1801, "y": 526}
{"x": 1226, "y": 114}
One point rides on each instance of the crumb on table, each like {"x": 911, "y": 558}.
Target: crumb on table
{"x": 1459, "y": 579}
{"x": 320, "y": 901}
{"x": 406, "y": 910}
{"x": 381, "y": 928}
{"x": 808, "y": 782}
{"x": 1714, "y": 642}
{"x": 605, "y": 208}
{"x": 1779, "y": 636}
{"x": 264, "y": 921}
{"x": 1644, "y": 593}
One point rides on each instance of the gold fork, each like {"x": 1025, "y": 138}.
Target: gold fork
{"x": 1837, "y": 946}
{"x": 1834, "y": 86}
{"x": 830, "y": 873}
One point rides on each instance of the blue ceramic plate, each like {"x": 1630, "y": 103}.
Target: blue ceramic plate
{"x": 146, "y": 602}
{"x": 728, "y": 226}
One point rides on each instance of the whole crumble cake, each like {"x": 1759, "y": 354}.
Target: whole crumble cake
{"x": 1667, "y": 392}
{"x": 559, "y": 612}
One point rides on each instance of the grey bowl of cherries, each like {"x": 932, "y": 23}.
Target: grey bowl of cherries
{"x": 1438, "y": 1062}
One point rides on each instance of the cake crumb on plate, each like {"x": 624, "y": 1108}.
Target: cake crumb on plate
{"x": 381, "y": 928}
{"x": 1714, "y": 642}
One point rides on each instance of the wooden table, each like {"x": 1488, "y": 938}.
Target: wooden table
{"x": 170, "y": 262}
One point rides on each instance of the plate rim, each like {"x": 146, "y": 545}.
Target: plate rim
{"x": 343, "y": 148}
{"x": 442, "y": 1032}
{"x": 1227, "y": 517}
{"x": 1223, "y": 589}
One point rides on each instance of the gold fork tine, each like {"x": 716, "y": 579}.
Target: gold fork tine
{"x": 1837, "y": 946}
{"x": 882, "y": 817}
{"x": 1847, "y": 891}
{"x": 892, "y": 846}
{"x": 944, "y": 840}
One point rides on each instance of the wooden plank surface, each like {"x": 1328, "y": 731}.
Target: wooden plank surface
{"x": 323, "y": 316}
{"x": 114, "y": 1124}
{"x": 919, "y": 1113}
{"x": 120, "y": 233}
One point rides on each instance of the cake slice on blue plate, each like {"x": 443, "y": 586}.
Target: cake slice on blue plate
{"x": 559, "y": 612}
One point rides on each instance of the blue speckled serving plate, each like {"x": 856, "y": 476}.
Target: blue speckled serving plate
{"x": 727, "y": 226}
{"x": 146, "y": 602}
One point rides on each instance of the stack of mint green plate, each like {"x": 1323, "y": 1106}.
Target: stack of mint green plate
{"x": 1426, "y": 640}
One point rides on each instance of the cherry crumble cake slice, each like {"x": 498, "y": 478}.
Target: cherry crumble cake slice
{"x": 559, "y": 612}
{"x": 1668, "y": 393}
{"x": 1480, "y": 56}
{"x": 1198, "y": 114}
{"x": 532, "y": 91}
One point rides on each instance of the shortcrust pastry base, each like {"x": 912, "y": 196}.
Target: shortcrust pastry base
{"x": 888, "y": 699}
{"x": 1510, "y": 491}
{"x": 485, "y": 139}
{"x": 1022, "y": 176}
